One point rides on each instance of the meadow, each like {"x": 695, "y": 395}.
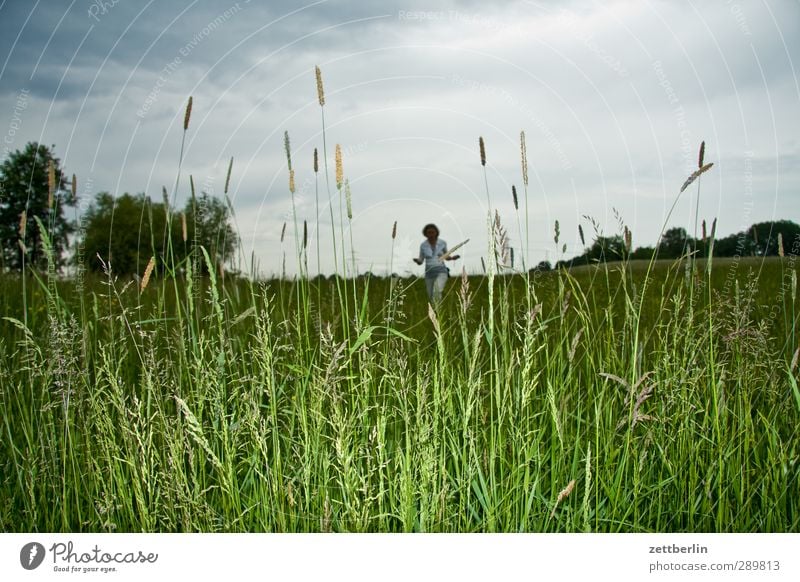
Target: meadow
{"x": 622, "y": 397}
{"x": 628, "y": 396}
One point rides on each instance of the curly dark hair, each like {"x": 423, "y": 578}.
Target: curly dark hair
{"x": 430, "y": 225}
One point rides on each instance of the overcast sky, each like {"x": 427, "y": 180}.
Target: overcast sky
{"x": 614, "y": 98}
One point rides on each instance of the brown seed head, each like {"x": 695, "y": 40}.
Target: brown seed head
{"x": 394, "y": 230}
{"x": 566, "y": 491}
{"x": 188, "y": 114}
{"x": 320, "y": 90}
{"x": 696, "y": 174}
{"x": 780, "y": 245}
{"x": 283, "y": 231}
{"x": 483, "y": 151}
{"x": 704, "y": 230}
{"x": 702, "y": 154}
{"x": 557, "y": 231}
{"x": 23, "y": 223}
{"x": 184, "y": 230}
{"x": 291, "y": 181}
{"x": 74, "y": 187}
{"x": 51, "y": 183}
{"x": 305, "y": 234}
{"x": 580, "y": 232}
{"x": 514, "y": 196}
{"x": 147, "y": 272}
{"x": 563, "y": 494}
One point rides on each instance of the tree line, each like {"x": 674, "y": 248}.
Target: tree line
{"x": 762, "y": 239}
{"x": 121, "y": 232}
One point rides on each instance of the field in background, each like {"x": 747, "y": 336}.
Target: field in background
{"x": 596, "y": 400}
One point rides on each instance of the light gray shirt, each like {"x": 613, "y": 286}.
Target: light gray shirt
{"x": 434, "y": 265}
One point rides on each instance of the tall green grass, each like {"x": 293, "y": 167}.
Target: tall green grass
{"x": 655, "y": 396}
{"x": 153, "y": 414}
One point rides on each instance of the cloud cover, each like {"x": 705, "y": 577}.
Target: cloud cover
{"x": 614, "y": 99}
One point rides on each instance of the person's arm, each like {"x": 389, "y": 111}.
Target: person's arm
{"x": 419, "y": 260}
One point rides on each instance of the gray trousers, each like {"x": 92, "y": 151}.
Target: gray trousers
{"x": 435, "y": 285}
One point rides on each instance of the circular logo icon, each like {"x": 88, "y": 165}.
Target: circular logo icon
{"x": 31, "y": 555}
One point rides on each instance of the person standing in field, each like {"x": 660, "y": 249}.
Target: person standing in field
{"x": 430, "y": 253}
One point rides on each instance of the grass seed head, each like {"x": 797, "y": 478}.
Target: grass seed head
{"x": 188, "y": 114}
{"x": 23, "y": 223}
{"x": 320, "y": 89}
{"x": 696, "y": 174}
{"x": 74, "y": 187}
{"x": 514, "y": 196}
{"x": 147, "y": 272}
{"x": 557, "y": 232}
{"x": 563, "y": 494}
{"x": 794, "y": 360}
{"x": 316, "y": 161}
{"x": 483, "y": 151}
{"x": 349, "y": 199}
{"x": 339, "y": 168}
{"x": 780, "y": 245}
{"x": 287, "y": 146}
{"x": 291, "y": 181}
{"x": 524, "y": 154}
{"x": 305, "y": 234}
{"x": 580, "y": 233}
{"x": 702, "y": 154}
{"x": 184, "y": 232}
{"x": 394, "y": 230}
{"x": 434, "y": 319}
{"x": 51, "y": 183}
{"x": 283, "y": 231}
{"x": 228, "y": 175}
